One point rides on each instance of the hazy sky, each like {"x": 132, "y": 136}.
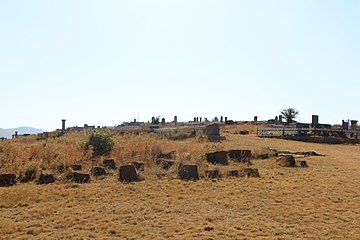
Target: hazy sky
{"x": 105, "y": 62}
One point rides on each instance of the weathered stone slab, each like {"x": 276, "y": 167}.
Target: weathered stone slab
{"x": 240, "y": 155}
{"x": 128, "y": 173}
{"x": 109, "y": 164}
{"x": 7, "y": 179}
{"x": 220, "y": 157}
{"x": 78, "y": 177}
{"x": 286, "y": 161}
{"x": 98, "y": 171}
{"x": 188, "y": 172}
{"x": 249, "y": 172}
{"x": 165, "y": 163}
{"x": 46, "y": 178}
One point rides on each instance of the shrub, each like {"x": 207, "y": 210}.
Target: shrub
{"x": 100, "y": 142}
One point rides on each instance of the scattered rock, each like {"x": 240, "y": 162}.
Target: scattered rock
{"x": 128, "y": 173}
{"x": 30, "y": 175}
{"x": 188, "y": 172}
{"x": 7, "y": 179}
{"x": 212, "y": 173}
{"x": 220, "y": 157}
{"x": 303, "y": 164}
{"x": 244, "y": 132}
{"x": 139, "y": 166}
{"x": 109, "y": 164}
{"x": 249, "y": 172}
{"x": 46, "y": 178}
{"x": 165, "y": 163}
{"x": 78, "y": 177}
{"x": 286, "y": 161}
{"x": 98, "y": 171}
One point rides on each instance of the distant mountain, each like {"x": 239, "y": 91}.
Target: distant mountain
{"x": 21, "y": 130}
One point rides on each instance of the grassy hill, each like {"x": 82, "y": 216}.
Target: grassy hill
{"x": 318, "y": 202}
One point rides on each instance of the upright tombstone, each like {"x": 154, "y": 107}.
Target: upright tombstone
{"x": 194, "y": 119}
{"x": 153, "y": 120}
{"x": 63, "y": 125}
{"x": 175, "y": 119}
{"x": 225, "y": 119}
{"x": 255, "y": 118}
{"x": 221, "y": 119}
{"x": 276, "y": 119}
{"x": 353, "y": 124}
{"x": 163, "y": 120}
{"x": 280, "y": 118}
{"x": 314, "y": 120}
{"x": 197, "y": 119}
{"x": 345, "y": 125}
{"x": 128, "y": 173}
{"x": 212, "y": 131}
{"x": 200, "y": 119}
{"x": 188, "y": 172}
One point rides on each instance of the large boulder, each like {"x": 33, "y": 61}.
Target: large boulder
{"x": 128, "y": 173}
{"x": 7, "y": 179}
{"x": 220, "y": 157}
{"x": 188, "y": 172}
{"x": 46, "y": 178}
{"x": 78, "y": 177}
{"x": 98, "y": 171}
{"x": 286, "y": 161}
{"x": 249, "y": 172}
{"x": 109, "y": 164}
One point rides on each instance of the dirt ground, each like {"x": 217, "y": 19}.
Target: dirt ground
{"x": 318, "y": 202}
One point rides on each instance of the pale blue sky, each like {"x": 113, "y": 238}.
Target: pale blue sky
{"x": 103, "y": 62}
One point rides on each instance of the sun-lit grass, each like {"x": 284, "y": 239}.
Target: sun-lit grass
{"x": 319, "y": 202}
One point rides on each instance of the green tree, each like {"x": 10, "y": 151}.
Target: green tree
{"x": 100, "y": 142}
{"x": 289, "y": 114}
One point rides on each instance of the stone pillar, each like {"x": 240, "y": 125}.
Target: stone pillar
{"x": 63, "y": 125}
{"x": 276, "y": 119}
{"x": 221, "y": 119}
{"x": 175, "y": 119}
{"x": 153, "y": 120}
{"x": 255, "y": 118}
{"x": 353, "y": 124}
{"x": 163, "y": 120}
{"x": 16, "y": 134}
{"x": 314, "y": 120}
{"x": 225, "y": 119}
{"x": 194, "y": 119}
{"x": 197, "y": 119}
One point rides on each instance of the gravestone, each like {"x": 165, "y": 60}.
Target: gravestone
{"x": 128, "y": 173}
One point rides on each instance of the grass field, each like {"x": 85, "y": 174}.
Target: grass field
{"x": 318, "y": 202}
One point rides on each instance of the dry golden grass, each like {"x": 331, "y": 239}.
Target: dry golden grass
{"x": 319, "y": 202}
